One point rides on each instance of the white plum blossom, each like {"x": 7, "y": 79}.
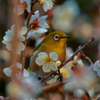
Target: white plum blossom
{"x": 24, "y": 5}
{"x": 79, "y": 92}
{"x": 48, "y": 4}
{"x": 27, "y": 89}
{"x": 76, "y": 60}
{"x": 66, "y": 70}
{"x": 9, "y": 36}
{"x": 64, "y": 16}
{"x": 96, "y": 67}
{"x": 38, "y": 25}
{"x": 10, "y": 70}
{"x": 47, "y": 62}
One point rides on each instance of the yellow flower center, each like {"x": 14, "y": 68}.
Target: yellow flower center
{"x": 48, "y": 59}
{"x": 24, "y": 5}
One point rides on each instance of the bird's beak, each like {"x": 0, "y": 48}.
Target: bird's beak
{"x": 66, "y": 37}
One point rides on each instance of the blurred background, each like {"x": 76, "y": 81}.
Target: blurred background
{"x": 80, "y": 19}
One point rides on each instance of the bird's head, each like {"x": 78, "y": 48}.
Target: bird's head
{"x": 56, "y": 38}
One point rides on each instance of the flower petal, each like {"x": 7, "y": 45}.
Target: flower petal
{"x": 45, "y": 25}
{"x": 42, "y": 54}
{"x": 40, "y": 61}
{"x": 20, "y": 48}
{"x": 29, "y": 8}
{"x": 18, "y": 10}
{"x": 42, "y": 19}
{"x": 7, "y": 71}
{"x": 8, "y": 46}
{"x": 13, "y": 28}
{"x": 54, "y": 66}
{"x": 36, "y": 33}
{"x": 21, "y": 1}
{"x": 41, "y": 30}
{"x": 45, "y": 7}
{"x": 6, "y": 39}
{"x": 48, "y": 4}
{"x": 23, "y": 30}
{"x": 96, "y": 66}
{"x": 46, "y": 67}
{"x": 8, "y": 35}
{"x": 75, "y": 58}
{"x": 42, "y": 22}
{"x": 28, "y": 1}
{"x": 19, "y": 65}
{"x": 53, "y": 80}
{"x": 30, "y": 33}
{"x": 21, "y": 38}
{"x": 26, "y": 73}
{"x": 53, "y": 55}
{"x": 36, "y": 15}
{"x": 80, "y": 63}
{"x": 98, "y": 72}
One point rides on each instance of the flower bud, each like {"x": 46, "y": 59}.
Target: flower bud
{"x": 58, "y": 63}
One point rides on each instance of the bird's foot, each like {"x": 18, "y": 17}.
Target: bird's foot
{"x": 60, "y": 76}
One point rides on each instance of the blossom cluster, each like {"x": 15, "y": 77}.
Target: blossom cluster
{"x": 48, "y": 61}
{"x": 9, "y": 36}
{"x": 37, "y": 26}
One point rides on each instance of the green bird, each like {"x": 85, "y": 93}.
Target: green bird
{"x": 53, "y": 42}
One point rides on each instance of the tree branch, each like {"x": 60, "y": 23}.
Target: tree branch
{"x": 27, "y": 24}
{"x": 71, "y": 58}
{"x": 56, "y": 85}
{"x": 64, "y": 81}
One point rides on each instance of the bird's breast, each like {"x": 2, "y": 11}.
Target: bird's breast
{"x": 61, "y": 52}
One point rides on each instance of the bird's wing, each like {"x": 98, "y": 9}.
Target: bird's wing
{"x": 38, "y": 49}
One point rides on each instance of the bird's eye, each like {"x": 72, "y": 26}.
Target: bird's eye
{"x": 56, "y": 37}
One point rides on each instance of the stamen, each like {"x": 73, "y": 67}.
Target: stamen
{"x": 35, "y": 24}
{"x": 48, "y": 59}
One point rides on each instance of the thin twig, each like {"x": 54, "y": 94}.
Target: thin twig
{"x": 27, "y": 24}
{"x": 24, "y": 57}
{"x": 87, "y": 58}
{"x": 55, "y": 85}
{"x": 77, "y": 51}
{"x": 71, "y": 58}
{"x": 29, "y": 15}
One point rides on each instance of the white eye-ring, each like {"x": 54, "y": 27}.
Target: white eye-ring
{"x": 56, "y": 37}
